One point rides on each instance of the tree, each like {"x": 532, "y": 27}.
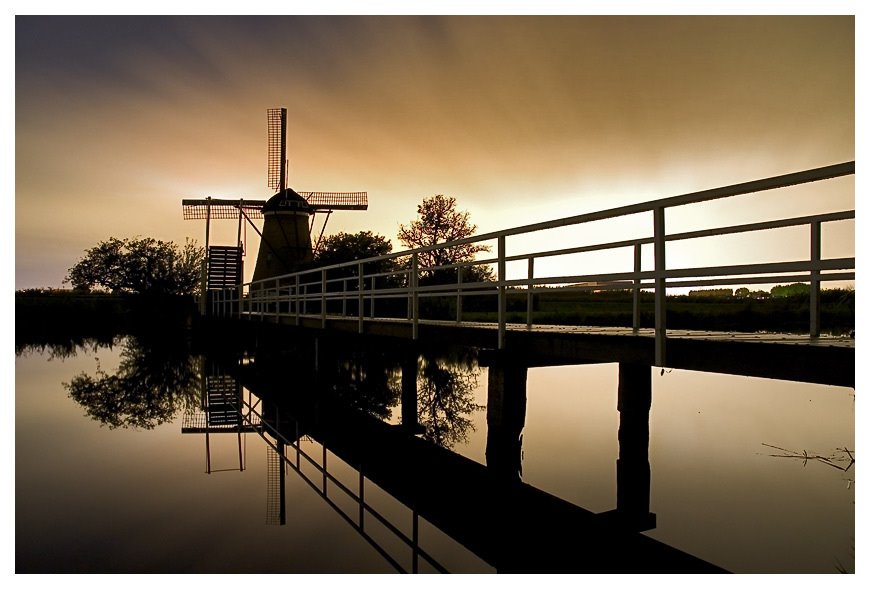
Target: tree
{"x": 789, "y": 290}
{"x": 440, "y": 222}
{"x": 745, "y": 293}
{"x": 347, "y": 247}
{"x": 140, "y": 265}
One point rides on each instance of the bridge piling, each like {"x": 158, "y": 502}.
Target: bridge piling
{"x": 409, "y": 392}
{"x": 634, "y": 401}
{"x": 505, "y": 418}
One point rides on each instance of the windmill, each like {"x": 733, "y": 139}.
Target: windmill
{"x": 288, "y": 218}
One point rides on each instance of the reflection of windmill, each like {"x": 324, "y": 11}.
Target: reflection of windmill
{"x": 220, "y": 412}
{"x": 223, "y": 409}
{"x": 285, "y": 242}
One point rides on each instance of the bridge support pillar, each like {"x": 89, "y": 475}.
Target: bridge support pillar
{"x": 409, "y": 392}
{"x": 505, "y": 418}
{"x": 632, "y": 467}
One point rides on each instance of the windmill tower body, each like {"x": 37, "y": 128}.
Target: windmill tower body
{"x": 286, "y": 243}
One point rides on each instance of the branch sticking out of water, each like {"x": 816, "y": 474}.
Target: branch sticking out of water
{"x": 806, "y": 457}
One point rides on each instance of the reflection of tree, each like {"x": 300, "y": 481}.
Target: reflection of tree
{"x": 370, "y": 380}
{"x": 156, "y": 379}
{"x": 369, "y": 384}
{"x": 67, "y": 346}
{"x": 445, "y": 399}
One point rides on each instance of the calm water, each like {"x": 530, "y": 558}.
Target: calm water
{"x": 106, "y": 480}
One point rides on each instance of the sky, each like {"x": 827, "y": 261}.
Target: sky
{"x": 522, "y": 119}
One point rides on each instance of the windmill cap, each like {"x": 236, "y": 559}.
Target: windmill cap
{"x": 288, "y": 200}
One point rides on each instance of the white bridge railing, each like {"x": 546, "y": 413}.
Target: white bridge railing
{"x": 396, "y": 286}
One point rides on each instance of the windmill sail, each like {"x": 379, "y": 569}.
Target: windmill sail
{"x": 221, "y": 208}
{"x": 334, "y": 201}
{"x": 276, "y": 119}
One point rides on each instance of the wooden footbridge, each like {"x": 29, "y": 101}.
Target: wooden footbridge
{"x": 396, "y": 296}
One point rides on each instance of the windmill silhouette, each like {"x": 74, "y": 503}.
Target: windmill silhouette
{"x": 289, "y": 216}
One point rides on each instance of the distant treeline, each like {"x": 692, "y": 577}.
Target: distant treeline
{"x": 49, "y": 315}
{"x": 787, "y": 311}
{"x": 782, "y": 290}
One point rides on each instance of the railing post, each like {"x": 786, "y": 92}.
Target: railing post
{"x": 240, "y": 301}
{"x": 415, "y": 297}
{"x": 325, "y": 477}
{"x": 344, "y": 297}
{"x": 635, "y": 297}
{"x": 323, "y": 299}
{"x": 296, "y": 299}
{"x": 409, "y": 282}
{"x": 360, "y": 287}
{"x": 660, "y": 311}
{"x": 415, "y": 543}
{"x": 530, "y": 297}
{"x": 372, "y": 304}
{"x": 815, "y": 275}
{"x": 203, "y": 286}
{"x": 277, "y": 298}
{"x": 459, "y": 294}
{"x": 362, "y": 499}
{"x": 297, "y": 445}
{"x": 502, "y": 294}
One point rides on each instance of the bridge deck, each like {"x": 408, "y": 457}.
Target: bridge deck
{"x": 823, "y": 360}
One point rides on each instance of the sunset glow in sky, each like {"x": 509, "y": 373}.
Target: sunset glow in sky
{"x": 522, "y": 119}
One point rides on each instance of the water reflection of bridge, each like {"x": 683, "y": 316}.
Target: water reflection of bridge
{"x": 507, "y": 523}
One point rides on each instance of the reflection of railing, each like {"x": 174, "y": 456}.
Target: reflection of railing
{"x": 321, "y": 485}
{"x": 351, "y": 290}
